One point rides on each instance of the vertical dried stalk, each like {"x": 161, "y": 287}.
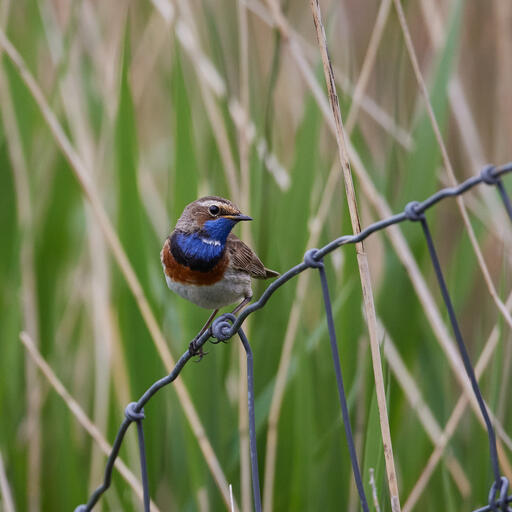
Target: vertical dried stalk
{"x": 243, "y": 141}
{"x": 361, "y": 259}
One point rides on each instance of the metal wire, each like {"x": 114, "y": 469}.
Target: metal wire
{"x": 341, "y": 389}
{"x": 252, "y": 423}
{"x": 228, "y": 325}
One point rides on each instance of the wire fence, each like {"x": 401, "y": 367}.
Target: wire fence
{"x": 227, "y": 325}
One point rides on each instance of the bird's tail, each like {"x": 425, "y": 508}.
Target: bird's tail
{"x": 271, "y": 273}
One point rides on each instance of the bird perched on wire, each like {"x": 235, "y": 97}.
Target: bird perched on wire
{"x": 205, "y": 263}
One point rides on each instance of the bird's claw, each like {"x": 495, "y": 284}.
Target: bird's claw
{"x": 194, "y": 351}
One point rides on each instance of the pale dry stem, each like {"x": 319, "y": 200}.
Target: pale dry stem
{"x": 244, "y": 148}
{"x": 361, "y": 259}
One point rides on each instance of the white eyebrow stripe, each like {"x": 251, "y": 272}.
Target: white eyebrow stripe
{"x": 210, "y": 202}
{"x": 220, "y": 204}
{"x": 209, "y": 241}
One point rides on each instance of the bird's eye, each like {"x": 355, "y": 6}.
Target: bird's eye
{"x": 214, "y": 209}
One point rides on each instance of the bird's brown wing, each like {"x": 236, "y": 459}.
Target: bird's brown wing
{"x": 243, "y": 258}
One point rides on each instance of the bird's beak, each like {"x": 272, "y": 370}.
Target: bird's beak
{"x": 238, "y": 218}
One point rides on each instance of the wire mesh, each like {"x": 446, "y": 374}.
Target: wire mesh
{"x": 227, "y": 325}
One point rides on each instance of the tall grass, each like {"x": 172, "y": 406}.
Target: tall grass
{"x": 158, "y": 107}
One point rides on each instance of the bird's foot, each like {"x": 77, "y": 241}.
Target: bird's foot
{"x": 195, "y": 351}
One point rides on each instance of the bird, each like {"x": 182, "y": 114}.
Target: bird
{"x": 205, "y": 263}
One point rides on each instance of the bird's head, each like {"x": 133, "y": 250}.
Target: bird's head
{"x": 212, "y": 215}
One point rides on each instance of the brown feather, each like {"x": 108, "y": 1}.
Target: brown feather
{"x": 243, "y": 258}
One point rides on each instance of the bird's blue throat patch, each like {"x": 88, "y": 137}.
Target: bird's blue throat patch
{"x": 219, "y": 229}
{"x": 203, "y": 249}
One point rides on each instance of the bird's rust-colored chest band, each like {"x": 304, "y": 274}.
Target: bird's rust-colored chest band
{"x": 183, "y": 274}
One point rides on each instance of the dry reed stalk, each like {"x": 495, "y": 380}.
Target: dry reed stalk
{"x": 244, "y": 148}
{"x": 80, "y": 415}
{"x": 453, "y": 421}
{"x": 5, "y": 490}
{"x": 447, "y": 163}
{"x": 89, "y": 190}
{"x": 359, "y": 94}
{"x": 29, "y": 303}
{"x": 362, "y": 260}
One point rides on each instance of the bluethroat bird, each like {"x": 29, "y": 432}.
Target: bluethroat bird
{"x": 207, "y": 264}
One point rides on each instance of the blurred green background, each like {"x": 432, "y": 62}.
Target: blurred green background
{"x": 164, "y": 101}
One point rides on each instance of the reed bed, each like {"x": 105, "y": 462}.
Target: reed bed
{"x": 116, "y": 114}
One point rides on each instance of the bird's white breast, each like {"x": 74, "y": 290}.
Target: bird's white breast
{"x": 233, "y": 287}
